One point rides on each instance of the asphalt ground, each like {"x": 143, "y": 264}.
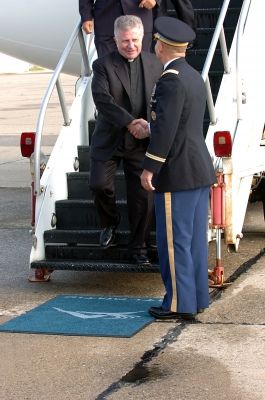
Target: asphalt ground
{"x": 221, "y": 356}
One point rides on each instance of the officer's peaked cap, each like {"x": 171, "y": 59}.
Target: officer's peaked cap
{"x": 173, "y": 31}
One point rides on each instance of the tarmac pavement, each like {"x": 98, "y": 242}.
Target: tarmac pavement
{"x": 221, "y": 356}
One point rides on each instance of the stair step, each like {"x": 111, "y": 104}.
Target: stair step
{"x": 95, "y": 253}
{"x": 91, "y": 237}
{"x": 197, "y": 57}
{"x": 84, "y": 158}
{"x": 82, "y": 214}
{"x": 204, "y": 37}
{"x": 78, "y": 185}
{"x": 204, "y": 4}
{"x": 84, "y": 265}
{"x": 207, "y": 18}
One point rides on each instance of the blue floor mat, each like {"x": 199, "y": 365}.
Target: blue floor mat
{"x": 85, "y": 316}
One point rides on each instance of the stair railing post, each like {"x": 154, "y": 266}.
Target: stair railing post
{"x": 241, "y": 24}
{"x": 216, "y": 35}
{"x": 85, "y": 44}
{"x": 210, "y": 103}
{"x": 43, "y": 108}
{"x": 224, "y": 51}
{"x": 87, "y": 52}
{"x": 64, "y": 108}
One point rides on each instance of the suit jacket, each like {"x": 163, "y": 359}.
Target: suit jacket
{"x": 111, "y": 94}
{"x": 104, "y": 13}
{"x": 177, "y": 153}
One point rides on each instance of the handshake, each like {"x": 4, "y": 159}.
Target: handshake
{"x": 139, "y": 128}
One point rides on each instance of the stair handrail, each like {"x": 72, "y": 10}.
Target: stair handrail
{"x": 241, "y": 25}
{"x": 218, "y": 35}
{"x": 77, "y": 32}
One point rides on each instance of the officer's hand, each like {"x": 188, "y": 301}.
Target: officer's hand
{"x": 139, "y": 128}
{"x": 146, "y": 180}
{"x": 87, "y": 27}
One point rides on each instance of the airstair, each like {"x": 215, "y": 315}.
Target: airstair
{"x": 65, "y": 232}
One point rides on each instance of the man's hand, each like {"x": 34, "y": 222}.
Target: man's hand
{"x": 88, "y": 27}
{"x": 149, "y": 4}
{"x": 139, "y": 128}
{"x": 146, "y": 180}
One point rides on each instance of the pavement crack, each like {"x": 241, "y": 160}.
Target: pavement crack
{"x": 230, "y": 323}
{"x": 139, "y": 373}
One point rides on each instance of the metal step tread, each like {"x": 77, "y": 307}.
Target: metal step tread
{"x": 118, "y": 253}
{"x": 86, "y": 174}
{"x": 85, "y": 236}
{"x": 83, "y": 202}
{"x": 214, "y": 9}
{"x": 84, "y": 265}
{"x": 212, "y": 29}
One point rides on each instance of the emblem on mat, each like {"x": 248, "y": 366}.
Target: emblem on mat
{"x": 105, "y": 315}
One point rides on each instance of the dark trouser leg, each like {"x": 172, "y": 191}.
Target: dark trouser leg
{"x": 139, "y": 201}
{"x": 104, "y": 45}
{"x": 147, "y": 41}
{"x": 185, "y": 12}
{"x": 102, "y": 175}
{"x": 199, "y": 248}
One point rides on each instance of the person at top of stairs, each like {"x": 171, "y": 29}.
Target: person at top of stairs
{"x": 102, "y": 13}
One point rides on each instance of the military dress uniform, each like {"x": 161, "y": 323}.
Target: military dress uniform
{"x": 182, "y": 175}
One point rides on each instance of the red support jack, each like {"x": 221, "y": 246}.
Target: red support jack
{"x": 41, "y": 275}
{"x": 216, "y": 276}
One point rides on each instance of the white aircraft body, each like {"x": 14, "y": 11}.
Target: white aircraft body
{"x": 37, "y": 32}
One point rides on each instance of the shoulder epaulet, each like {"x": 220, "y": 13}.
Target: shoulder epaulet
{"x": 170, "y": 71}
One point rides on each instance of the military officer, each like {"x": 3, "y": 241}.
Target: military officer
{"x": 178, "y": 167}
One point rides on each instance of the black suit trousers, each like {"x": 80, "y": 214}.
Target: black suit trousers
{"x": 185, "y": 12}
{"x": 139, "y": 201}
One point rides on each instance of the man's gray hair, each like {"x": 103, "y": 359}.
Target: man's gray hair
{"x": 127, "y": 22}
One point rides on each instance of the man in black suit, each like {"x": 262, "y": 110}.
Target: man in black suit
{"x": 178, "y": 166}
{"x": 102, "y": 14}
{"x": 121, "y": 86}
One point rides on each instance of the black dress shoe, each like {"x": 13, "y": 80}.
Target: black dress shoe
{"x": 107, "y": 237}
{"x": 140, "y": 259}
{"x": 159, "y": 313}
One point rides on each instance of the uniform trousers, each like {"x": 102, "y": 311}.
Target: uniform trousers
{"x": 139, "y": 202}
{"x": 181, "y": 229}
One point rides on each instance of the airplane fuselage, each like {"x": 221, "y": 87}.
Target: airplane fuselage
{"x": 37, "y": 32}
